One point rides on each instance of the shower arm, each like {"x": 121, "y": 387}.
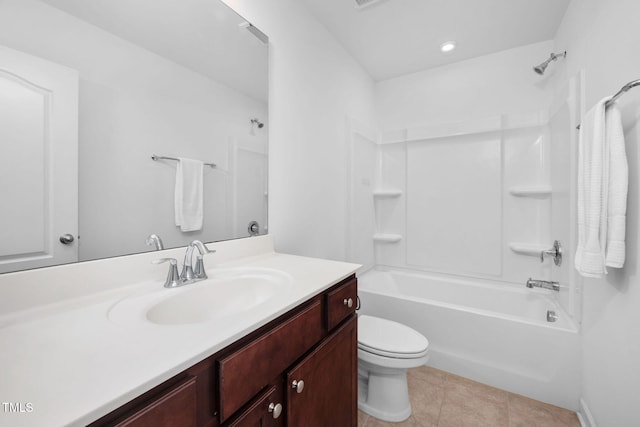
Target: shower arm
{"x": 555, "y": 56}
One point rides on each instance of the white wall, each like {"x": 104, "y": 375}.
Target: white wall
{"x": 601, "y": 38}
{"x": 134, "y": 103}
{"x": 473, "y": 89}
{"x": 314, "y": 86}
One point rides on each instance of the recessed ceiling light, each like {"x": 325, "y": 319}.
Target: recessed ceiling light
{"x": 447, "y": 47}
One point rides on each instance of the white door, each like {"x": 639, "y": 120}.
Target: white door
{"x": 38, "y": 162}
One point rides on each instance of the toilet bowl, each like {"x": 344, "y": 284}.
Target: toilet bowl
{"x": 386, "y": 349}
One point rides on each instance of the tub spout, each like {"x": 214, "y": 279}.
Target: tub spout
{"x": 545, "y": 284}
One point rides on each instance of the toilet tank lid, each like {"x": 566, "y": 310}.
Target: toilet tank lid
{"x": 389, "y": 336}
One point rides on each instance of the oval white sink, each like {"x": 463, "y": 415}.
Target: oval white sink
{"x": 226, "y": 293}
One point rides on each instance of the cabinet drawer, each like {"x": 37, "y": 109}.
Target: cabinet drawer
{"x": 341, "y": 302}
{"x": 175, "y": 408}
{"x": 243, "y": 373}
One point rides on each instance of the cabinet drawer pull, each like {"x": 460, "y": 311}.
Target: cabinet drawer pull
{"x": 275, "y": 409}
{"x": 298, "y": 385}
{"x": 348, "y": 302}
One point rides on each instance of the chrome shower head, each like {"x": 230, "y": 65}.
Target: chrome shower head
{"x": 257, "y": 122}
{"x": 542, "y": 67}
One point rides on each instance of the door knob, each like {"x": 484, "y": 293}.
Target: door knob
{"x": 298, "y": 385}
{"x": 66, "y": 239}
{"x": 348, "y": 302}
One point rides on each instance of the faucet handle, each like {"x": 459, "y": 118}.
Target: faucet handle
{"x": 555, "y": 252}
{"x": 198, "y": 271}
{"x": 173, "y": 261}
{"x": 173, "y": 278}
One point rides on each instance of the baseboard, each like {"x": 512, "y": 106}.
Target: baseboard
{"x": 584, "y": 415}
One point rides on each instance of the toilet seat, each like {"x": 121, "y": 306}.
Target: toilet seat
{"x": 387, "y": 338}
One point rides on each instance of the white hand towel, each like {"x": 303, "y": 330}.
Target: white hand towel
{"x": 592, "y": 204}
{"x": 189, "y": 201}
{"x": 618, "y": 186}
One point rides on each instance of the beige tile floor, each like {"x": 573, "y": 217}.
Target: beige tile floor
{"x": 446, "y": 400}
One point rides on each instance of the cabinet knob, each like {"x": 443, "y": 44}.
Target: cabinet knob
{"x": 298, "y": 385}
{"x": 275, "y": 409}
{"x": 348, "y": 302}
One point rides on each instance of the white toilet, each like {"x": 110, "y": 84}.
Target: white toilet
{"x": 386, "y": 349}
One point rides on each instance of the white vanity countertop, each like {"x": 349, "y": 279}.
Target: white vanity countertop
{"x": 66, "y": 363}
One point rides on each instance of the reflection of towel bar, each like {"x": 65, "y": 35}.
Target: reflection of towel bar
{"x": 154, "y": 157}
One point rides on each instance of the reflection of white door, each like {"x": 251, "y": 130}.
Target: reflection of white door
{"x": 38, "y": 161}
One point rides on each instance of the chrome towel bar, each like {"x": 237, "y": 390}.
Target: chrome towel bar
{"x": 622, "y": 91}
{"x": 626, "y": 88}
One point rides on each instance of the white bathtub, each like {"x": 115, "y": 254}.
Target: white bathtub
{"x": 496, "y": 334}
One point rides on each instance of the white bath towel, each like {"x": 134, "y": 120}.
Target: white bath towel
{"x": 189, "y": 203}
{"x": 618, "y": 186}
{"x": 592, "y": 171}
{"x": 602, "y": 192}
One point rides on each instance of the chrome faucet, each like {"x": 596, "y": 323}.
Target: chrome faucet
{"x": 188, "y": 274}
{"x": 545, "y": 284}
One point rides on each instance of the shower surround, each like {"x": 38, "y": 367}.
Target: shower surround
{"x": 463, "y": 206}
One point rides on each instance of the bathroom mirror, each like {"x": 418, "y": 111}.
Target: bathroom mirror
{"x": 90, "y": 90}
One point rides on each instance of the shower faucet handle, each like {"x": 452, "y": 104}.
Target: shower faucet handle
{"x": 555, "y": 252}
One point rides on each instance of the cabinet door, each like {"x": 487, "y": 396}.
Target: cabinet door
{"x": 328, "y": 395}
{"x": 264, "y": 412}
{"x": 175, "y": 408}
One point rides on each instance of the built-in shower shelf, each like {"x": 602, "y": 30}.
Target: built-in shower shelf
{"x": 388, "y": 193}
{"x": 531, "y": 249}
{"x": 535, "y": 191}
{"x": 387, "y": 238}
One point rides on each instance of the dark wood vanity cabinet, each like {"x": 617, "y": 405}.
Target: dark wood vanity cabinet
{"x": 249, "y": 369}
{"x": 299, "y": 370}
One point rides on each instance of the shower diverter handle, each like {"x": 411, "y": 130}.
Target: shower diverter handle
{"x": 555, "y": 252}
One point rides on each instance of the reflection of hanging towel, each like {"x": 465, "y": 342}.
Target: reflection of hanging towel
{"x": 602, "y": 191}
{"x": 188, "y": 194}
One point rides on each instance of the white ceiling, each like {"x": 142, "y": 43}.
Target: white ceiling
{"x": 396, "y": 37}
{"x": 202, "y": 35}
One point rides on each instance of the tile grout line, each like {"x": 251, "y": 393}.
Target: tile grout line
{"x": 444, "y": 395}
{"x": 445, "y": 381}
